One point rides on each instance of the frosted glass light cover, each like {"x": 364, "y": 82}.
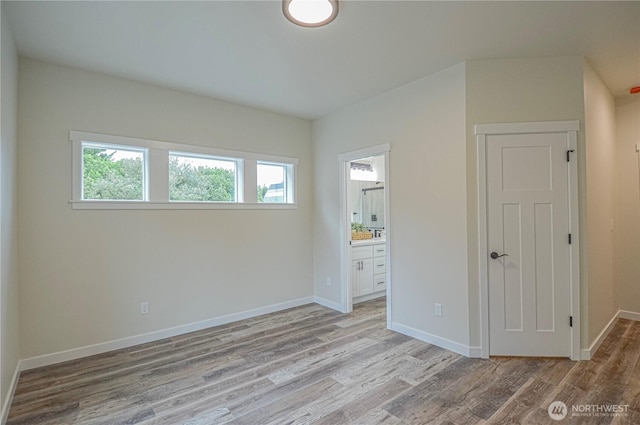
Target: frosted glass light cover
{"x": 310, "y": 13}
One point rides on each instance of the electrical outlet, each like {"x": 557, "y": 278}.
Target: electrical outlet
{"x": 438, "y": 310}
{"x": 328, "y": 281}
{"x": 144, "y": 307}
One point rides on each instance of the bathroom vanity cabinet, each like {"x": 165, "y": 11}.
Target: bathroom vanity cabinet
{"x": 368, "y": 269}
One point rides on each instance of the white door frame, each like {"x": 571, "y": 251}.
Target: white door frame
{"x": 571, "y": 130}
{"x": 345, "y": 224}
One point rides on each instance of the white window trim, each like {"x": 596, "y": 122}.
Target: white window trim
{"x": 157, "y": 178}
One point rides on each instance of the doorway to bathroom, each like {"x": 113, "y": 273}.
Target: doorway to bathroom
{"x": 365, "y": 265}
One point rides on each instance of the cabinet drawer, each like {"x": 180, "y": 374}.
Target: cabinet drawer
{"x": 379, "y": 265}
{"x": 361, "y": 252}
{"x": 379, "y": 282}
{"x": 379, "y": 250}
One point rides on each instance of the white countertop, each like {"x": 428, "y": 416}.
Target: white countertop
{"x": 372, "y": 241}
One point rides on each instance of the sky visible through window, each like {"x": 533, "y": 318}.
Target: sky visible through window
{"x": 270, "y": 174}
{"x": 271, "y": 183}
{"x": 196, "y": 162}
{"x": 122, "y": 154}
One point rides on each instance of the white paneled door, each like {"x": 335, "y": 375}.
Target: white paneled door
{"x": 529, "y": 264}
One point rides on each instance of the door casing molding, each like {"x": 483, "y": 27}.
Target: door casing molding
{"x": 571, "y": 130}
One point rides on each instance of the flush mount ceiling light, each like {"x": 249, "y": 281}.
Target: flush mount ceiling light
{"x": 310, "y": 13}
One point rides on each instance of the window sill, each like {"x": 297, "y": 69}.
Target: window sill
{"x": 136, "y": 205}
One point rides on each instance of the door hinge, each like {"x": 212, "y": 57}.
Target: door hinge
{"x": 569, "y": 238}
{"x": 571, "y": 321}
{"x": 568, "y": 154}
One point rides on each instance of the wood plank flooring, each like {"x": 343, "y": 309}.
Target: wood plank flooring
{"x": 312, "y": 365}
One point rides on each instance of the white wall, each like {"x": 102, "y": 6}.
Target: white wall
{"x": 83, "y": 273}
{"x": 424, "y": 123}
{"x": 600, "y": 134}
{"x": 627, "y": 199}
{"x": 514, "y": 90}
{"x": 9, "y": 338}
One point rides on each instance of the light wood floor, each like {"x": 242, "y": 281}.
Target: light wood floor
{"x": 311, "y": 365}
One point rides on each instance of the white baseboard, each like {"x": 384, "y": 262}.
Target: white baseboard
{"x": 630, "y": 315}
{"x": 588, "y": 353}
{"x": 4, "y": 414}
{"x": 76, "y": 353}
{"x": 447, "y": 344}
{"x": 329, "y": 304}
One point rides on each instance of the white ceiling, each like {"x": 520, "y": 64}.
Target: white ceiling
{"x": 247, "y": 52}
